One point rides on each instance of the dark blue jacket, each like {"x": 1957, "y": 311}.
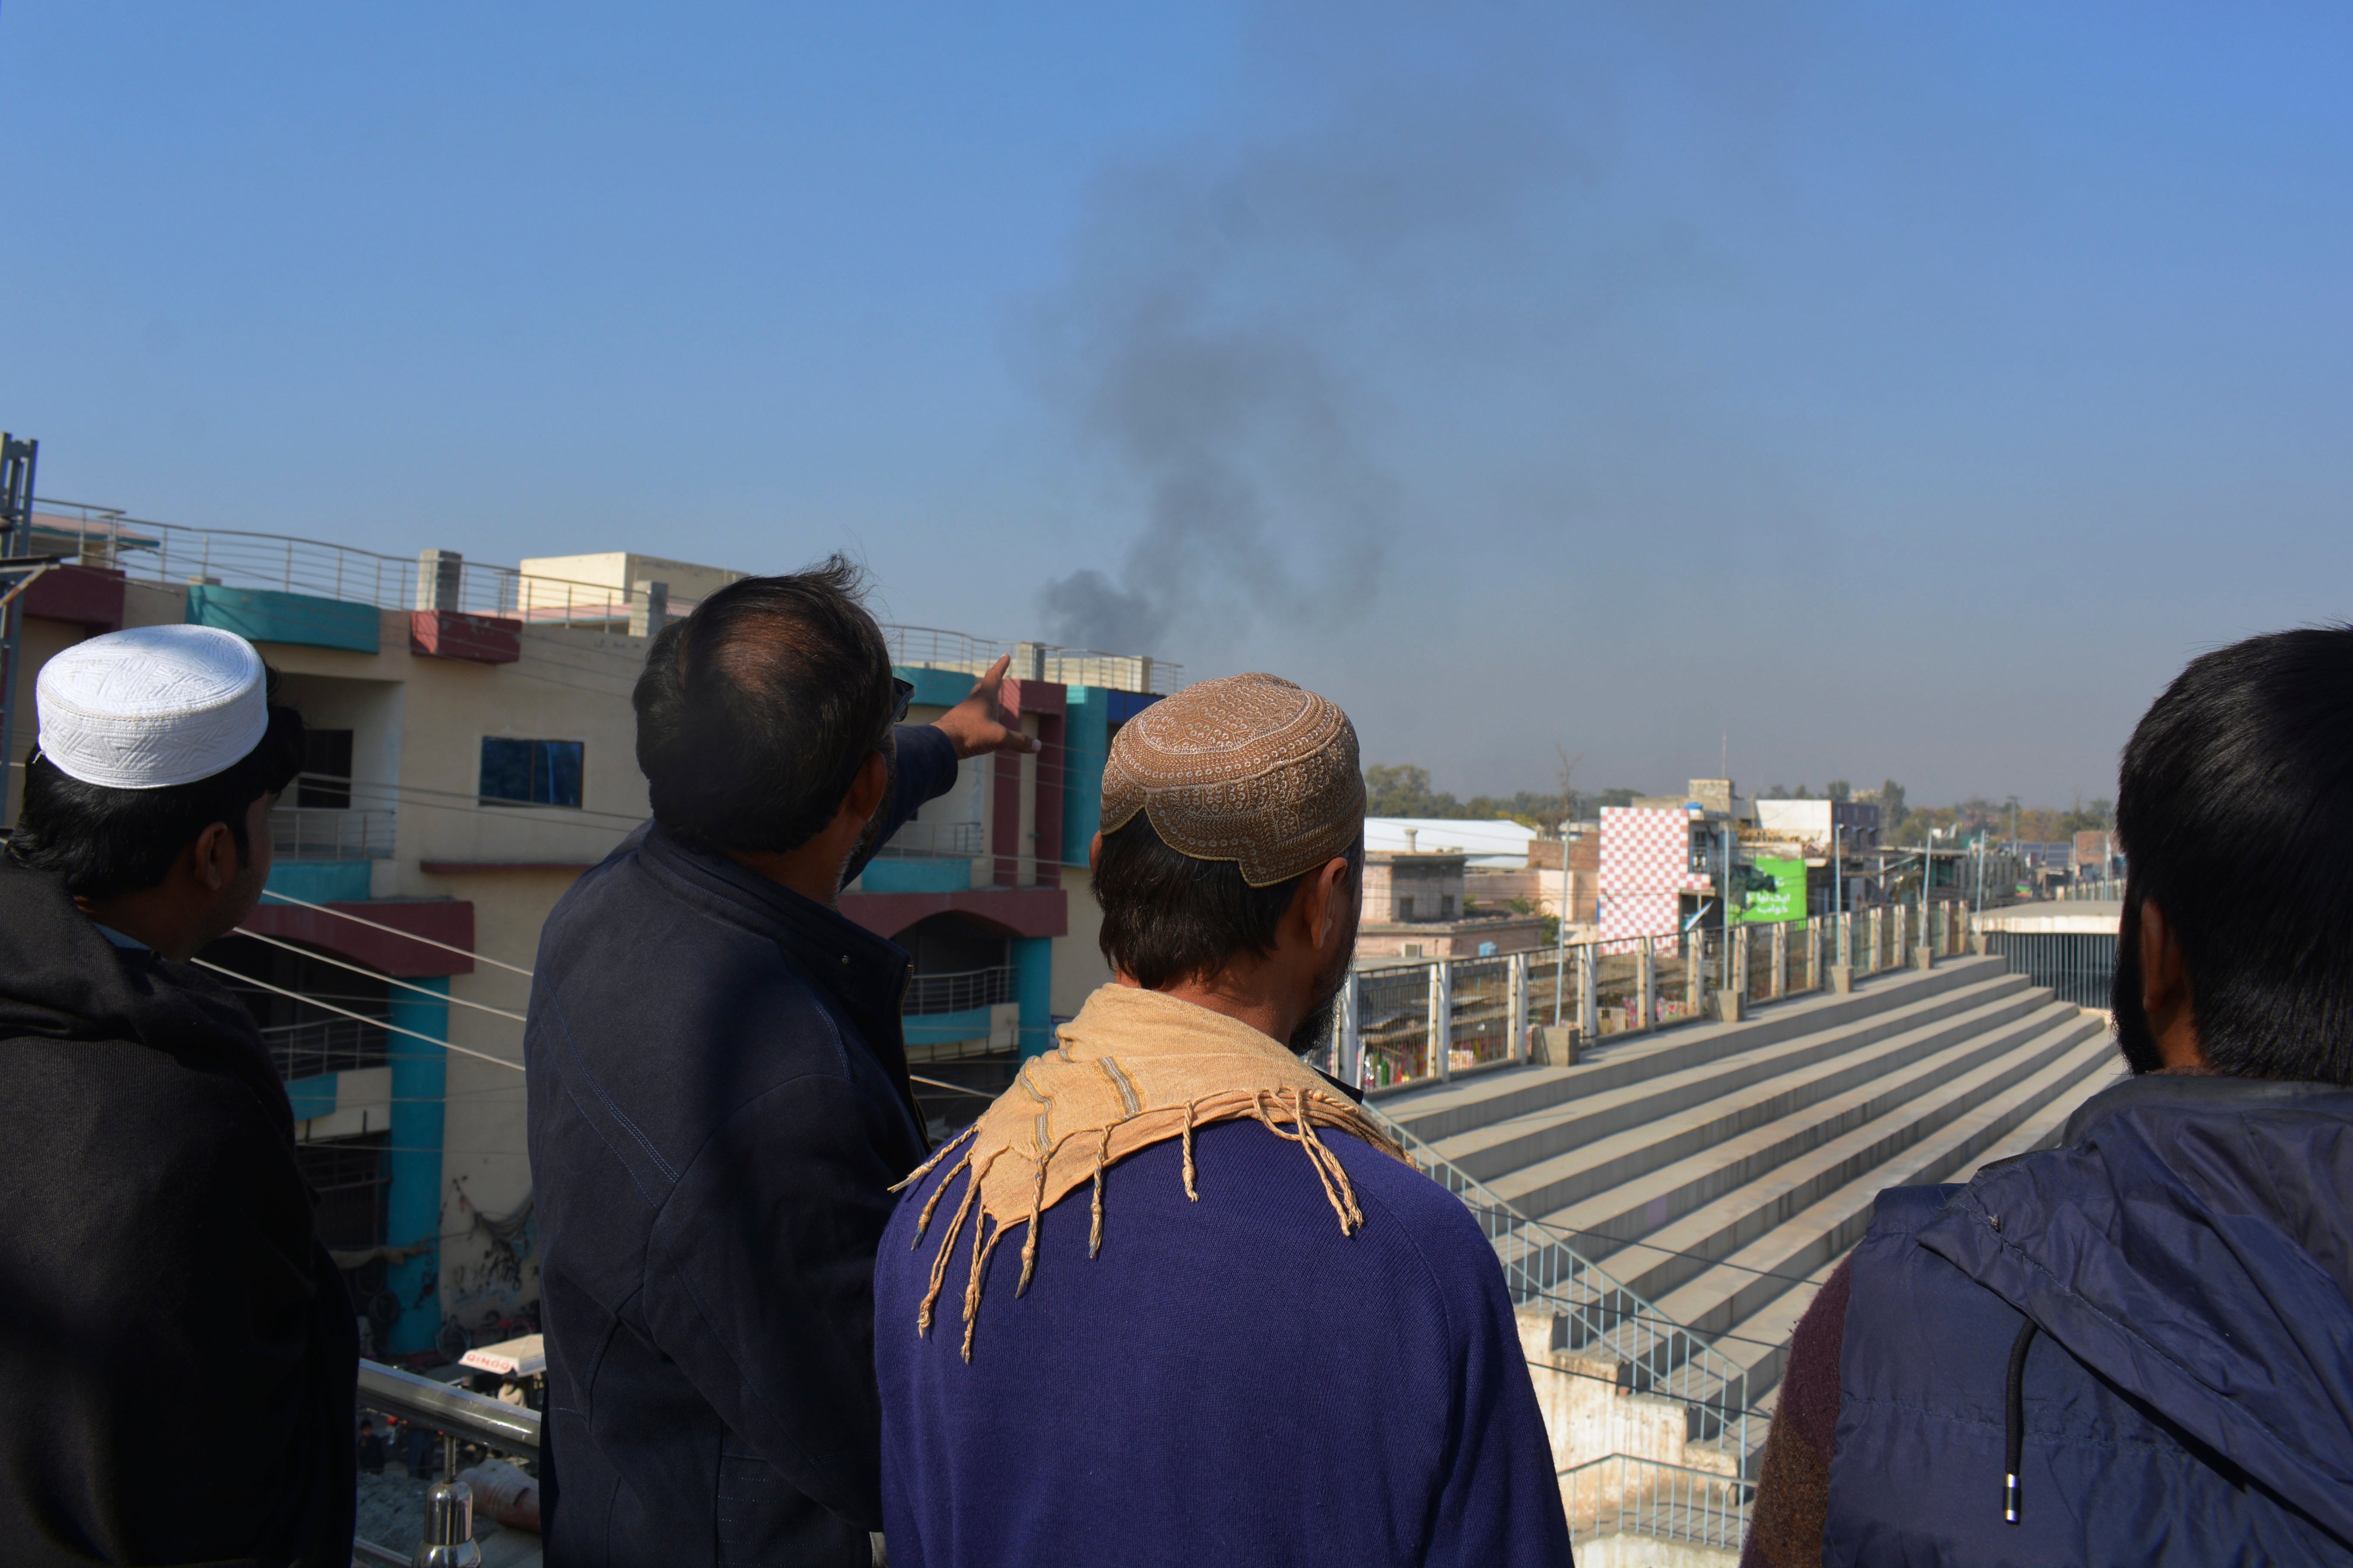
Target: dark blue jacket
{"x": 2187, "y": 1259}
{"x": 719, "y": 1103}
{"x": 1231, "y": 1382}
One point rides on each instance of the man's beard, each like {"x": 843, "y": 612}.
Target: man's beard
{"x": 2132, "y": 1037}
{"x": 1316, "y": 1029}
{"x": 870, "y": 839}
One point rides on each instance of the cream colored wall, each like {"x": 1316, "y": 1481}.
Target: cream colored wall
{"x": 622, "y": 569}
{"x": 1078, "y": 964}
{"x": 432, "y": 715}
{"x": 484, "y": 1149}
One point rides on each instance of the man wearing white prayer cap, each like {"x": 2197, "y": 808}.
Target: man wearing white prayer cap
{"x": 177, "y": 1352}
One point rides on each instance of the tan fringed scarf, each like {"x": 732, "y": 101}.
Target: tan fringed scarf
{"x": 1135, "y": 1068}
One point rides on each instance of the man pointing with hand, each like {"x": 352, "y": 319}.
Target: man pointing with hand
{"x": 719, "y": 1095}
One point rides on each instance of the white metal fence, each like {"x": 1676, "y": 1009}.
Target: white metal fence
{"x": 1400, "y": 1024}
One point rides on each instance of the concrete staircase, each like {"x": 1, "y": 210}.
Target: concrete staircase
{"x": 1719, "y": 1171}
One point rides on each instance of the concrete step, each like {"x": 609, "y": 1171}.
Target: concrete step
{"x": 1883, "y": 1128}
{"x": 1635, "y": 1181}
{"x": 1444, "y": 1110}
{"x": 1753, "y": 1296}
{"x": 2042, "y": 1131}
{"x": 1519, "y": 1142}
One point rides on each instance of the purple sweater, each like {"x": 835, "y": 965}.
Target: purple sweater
{"x": 1232, "y": 1380}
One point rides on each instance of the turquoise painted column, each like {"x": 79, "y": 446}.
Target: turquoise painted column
{"x": 1033, "y": 987}
{"x": 419, "y": 1080}
{"x": 1086, "y": 742}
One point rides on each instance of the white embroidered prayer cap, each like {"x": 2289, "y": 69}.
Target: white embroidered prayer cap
{"x": 152, "y": 706}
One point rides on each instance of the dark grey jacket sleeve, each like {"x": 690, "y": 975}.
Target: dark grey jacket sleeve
{"x": 926, "y": 770}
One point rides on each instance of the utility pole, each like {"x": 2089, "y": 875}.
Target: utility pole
{"x": 17, "y": 459}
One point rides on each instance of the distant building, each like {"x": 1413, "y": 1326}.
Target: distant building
{"x": 1657, "y": 866}
{"x": 1415, "y": 906}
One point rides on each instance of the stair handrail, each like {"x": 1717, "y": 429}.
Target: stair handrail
{"x": 1613, "y": 1306}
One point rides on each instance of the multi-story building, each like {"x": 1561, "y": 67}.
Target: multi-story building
{"x": 472, "y": 753}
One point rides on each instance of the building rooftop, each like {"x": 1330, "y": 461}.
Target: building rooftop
{"x": 603, "y": 591}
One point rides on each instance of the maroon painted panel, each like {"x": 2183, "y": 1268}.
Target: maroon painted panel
{"x": 1015, "y": 911}
{"x": 1020, "y": 696}
{"x": 1051, "y": 759}
{"x": 443, "y": 920}
{"x": 452, "y": 634}
{"x": 89, "y": 595}
{"x": 1005, "y": 821}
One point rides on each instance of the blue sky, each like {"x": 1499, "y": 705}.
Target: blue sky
{"x": 1881, "y": 389}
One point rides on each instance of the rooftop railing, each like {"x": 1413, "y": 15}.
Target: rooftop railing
{"x": 167, "y": 552}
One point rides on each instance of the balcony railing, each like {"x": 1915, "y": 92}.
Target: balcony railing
{"x": 934, "y": 841}
{"x": 959, "y": 992}
{"x": 330, "y": 833}
{"x": 324, "y": 1045}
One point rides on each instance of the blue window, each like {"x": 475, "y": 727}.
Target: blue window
{"x": 531, "y": 772}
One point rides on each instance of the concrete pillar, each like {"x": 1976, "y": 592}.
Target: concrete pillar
{"x": 648, "y": 606}
{"x": 440, "y": 580}
{"x": 412, "y": 1205}
{"x": 1033, "y": 988}
{"x": 1695, "y": 943}
{"x": 1730, "y": 1004}
{"x": 1646, "y": 981}
{"x": 1878, "y": 927}
{"x": 1780, "y": 958}
{"x": 1588, "y": 992}
{"x": 1348, "y": 1044}
{"x": 1441, "y": 1019}
{"x": 1519, "y": 982}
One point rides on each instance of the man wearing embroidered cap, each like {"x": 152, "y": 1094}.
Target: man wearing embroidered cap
{"x": 177, "y": 1352}
{"x": 1175, "y": 1298}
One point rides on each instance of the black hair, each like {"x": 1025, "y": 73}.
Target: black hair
{"x": 755, "y": 712}
{"x": 1168, "y": 917}
{"x": 2233, "y": 793}
{"x": 104, "y": 842}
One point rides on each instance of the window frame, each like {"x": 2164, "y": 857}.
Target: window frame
{"x": 580, "y": 763}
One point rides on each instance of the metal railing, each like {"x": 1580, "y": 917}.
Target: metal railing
{"x": 933, "y": 647}
{"x": 2079, "y": 966}
{"x": 1600, "y": 1316}
{"x": 163, "y": 552}
{"x": 459, "y": 1413}
{"x": 330, "y": 833}
{"x": 2095, "y": 889}
{"x": 921, "y": 840}
{"x": 960, "y": 991}
{"x": 324, "y": 1045}
{"x": 239, "y": 558}
{"x": 1625, "y": 1495}
{"x": 1613, "y": 987}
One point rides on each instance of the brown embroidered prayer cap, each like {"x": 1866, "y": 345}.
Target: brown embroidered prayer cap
{"x": 1250, "y": 768}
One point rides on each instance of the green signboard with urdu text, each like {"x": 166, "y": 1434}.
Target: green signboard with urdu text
{"x": 1776, "y": 891}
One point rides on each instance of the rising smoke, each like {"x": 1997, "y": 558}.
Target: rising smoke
{"x": 1226, "y": 319}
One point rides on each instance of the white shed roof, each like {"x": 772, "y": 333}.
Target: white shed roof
{"x": 1501, "y": 844}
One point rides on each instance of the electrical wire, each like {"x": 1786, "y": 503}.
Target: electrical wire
{"x": 395, "y": 930}
{"x": 956, "y": 1088}
{"x": 328, "y": 1006}
{"x": 388, "y": 980}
